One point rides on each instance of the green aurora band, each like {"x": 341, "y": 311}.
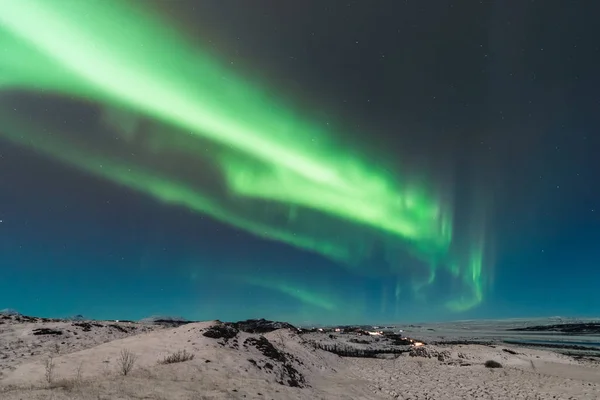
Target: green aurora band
{"x": 282, "y": 177}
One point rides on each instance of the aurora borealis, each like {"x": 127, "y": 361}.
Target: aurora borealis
{"x": 139, "y": 105}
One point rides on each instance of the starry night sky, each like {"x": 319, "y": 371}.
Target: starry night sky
{"x": 488, "y": 111}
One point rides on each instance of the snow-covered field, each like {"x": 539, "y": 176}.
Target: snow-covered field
{"x": 54, "y": 359}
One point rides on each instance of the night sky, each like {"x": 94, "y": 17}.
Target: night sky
{"x": 310, "y": 161}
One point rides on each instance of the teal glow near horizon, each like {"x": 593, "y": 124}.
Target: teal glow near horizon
{"x": 285, "y": 178}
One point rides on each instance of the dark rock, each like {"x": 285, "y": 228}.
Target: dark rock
{"x": 443, "y": 355}
{"x": 261, "y": 325}
{"x": 46, "y": 331}
{"x": 290, "y": 375}
{"x": 492, "y": 364}
{"x": 118, "y": 327}
{"x": 170, "y": 322}
{"x": 221, "y": 331}
{"x": 421, "y": 351}
{"x": 577, "y": 328}
{"x": 85, "y": 326}
{"x": 398, "y": 340}
{"x": 294, "y": 378}
{"x": 266, "y": 348}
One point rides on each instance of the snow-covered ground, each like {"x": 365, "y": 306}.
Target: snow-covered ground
{"x": 85, "y": 361}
